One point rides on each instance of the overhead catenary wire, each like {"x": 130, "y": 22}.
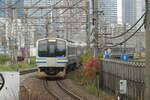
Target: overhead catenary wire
{"x": 72, "y": 6}
{"x": 51, "y": 6}
{"x": 48, "y": 11}
{"x": 36, "y": 9}
{"x": 16, "y": 2}
{"x": 65, "y": 9}
{"x": 68, "y": 8}
{"x": 36, "y": 3}
{"x": 44, "y": 12}
{"x": 127, "y": 30}
{"x": 128, "y": 37}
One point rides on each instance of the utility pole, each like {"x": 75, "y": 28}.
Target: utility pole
{"x": 12, "y": 37}
{"x": 47, "y": 29}
{"x": 26, "y": 36}
{"x": 87, "y": 26}
{"x": 67, "y": 32}
{"x": 96, "y": 17}
{"x": 124, "y": 28}
{"x": 147, "y": 68}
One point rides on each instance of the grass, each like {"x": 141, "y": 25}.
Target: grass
{"x": 16, "y": 67}
{"x": 91, "y": 88}
{"x": 76, "y": 76}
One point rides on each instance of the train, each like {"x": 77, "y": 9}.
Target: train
{"x": 54, "y": 56}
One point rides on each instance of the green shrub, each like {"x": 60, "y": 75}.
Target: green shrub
{"x": 100, "y": 56}
{"x": 3, "y": 60}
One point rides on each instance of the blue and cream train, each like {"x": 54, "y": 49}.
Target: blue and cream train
{"x": 54, "y": 56}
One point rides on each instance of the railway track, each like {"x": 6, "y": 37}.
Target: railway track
{"x": 74, "y": 96}
{"x": 50, "y": 92}
{"x": 59, "y": 96}
{"x": 57, "y": 86}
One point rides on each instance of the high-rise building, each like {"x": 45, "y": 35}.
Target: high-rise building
{"x": 140, "y": 9}
{"x": 132, "y": 10}
{"x": 109, "y": 8}
{"x": 129, "y": 11}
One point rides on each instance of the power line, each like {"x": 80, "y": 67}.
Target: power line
{"x": 127, "y": 30}
{"x": 16, "y": 2}
{"x": 72, "y": 6}
{"x": 36, "y": 3}
{"x": 53, "y": 7}
{"x": 68, "y": 8}
{"x": 36, "y": 9}
{"x": 128, "y": 37}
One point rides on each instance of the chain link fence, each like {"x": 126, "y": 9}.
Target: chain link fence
{"x": 133, "y": 72}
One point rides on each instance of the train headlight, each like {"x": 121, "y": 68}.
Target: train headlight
{"x": 51, "y": 40}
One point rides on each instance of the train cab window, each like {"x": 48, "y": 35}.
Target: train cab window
{"x": 51, "y": 49}
{"x": 61, "y": 48}
{"x": 42, "y": 48}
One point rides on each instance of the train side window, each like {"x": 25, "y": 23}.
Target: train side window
{"x": 71, "y": 50}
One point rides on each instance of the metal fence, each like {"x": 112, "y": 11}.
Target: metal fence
{"x": 133, "y": 72}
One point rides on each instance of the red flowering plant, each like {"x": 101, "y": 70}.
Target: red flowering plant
{"x": 90, "y": 67}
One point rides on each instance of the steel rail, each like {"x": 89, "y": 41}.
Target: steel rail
{"x": 45, "y": 84}
{"x": 73, "y": 95}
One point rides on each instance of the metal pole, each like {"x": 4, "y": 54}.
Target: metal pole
{"x": 47, "y": 30}
{"x": 124, "y": 39}
{"x": 147, "y": 68}
{"x": 27, "y": 42}
{"x": 87, "y": 26}
{"x": 12, "y": 15}
{"x": 95, "y": 12}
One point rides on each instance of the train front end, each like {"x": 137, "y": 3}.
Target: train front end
{"x": 51, "y": 57}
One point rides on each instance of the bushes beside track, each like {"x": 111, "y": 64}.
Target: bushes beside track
{"x": 16, "y": 67}
{"x": 4, "y": 59}
{"x": 85, "y": 76}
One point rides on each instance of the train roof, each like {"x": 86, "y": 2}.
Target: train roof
{"x": 50, "y": 38}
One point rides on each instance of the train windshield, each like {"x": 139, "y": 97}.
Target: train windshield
{"x": 52, "y": 49}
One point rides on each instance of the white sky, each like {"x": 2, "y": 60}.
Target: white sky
{"x": 119, "y": 8}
